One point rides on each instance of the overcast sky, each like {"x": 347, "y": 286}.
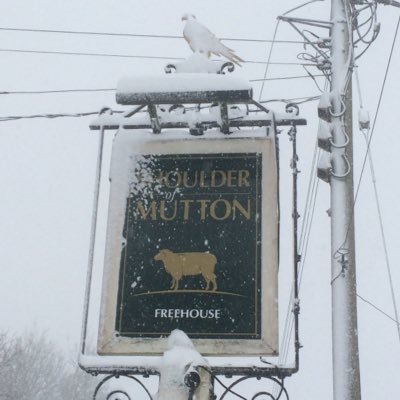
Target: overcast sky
{"x": 47, "y": 166}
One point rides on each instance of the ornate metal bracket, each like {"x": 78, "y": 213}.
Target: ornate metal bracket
{"x": 223, "y": 69}
{"x": 274, "y": 391}
{"x": 271, "y": 388}
{"x": 228, "y": 66}
{"x": 170, "y": 68}
{"x": 116, "y": 394}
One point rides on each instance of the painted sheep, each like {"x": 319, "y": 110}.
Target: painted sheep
{"x": 179, "y": 265}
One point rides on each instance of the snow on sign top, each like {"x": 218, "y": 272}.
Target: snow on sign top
{"x": 181, "y": 82}
{"x": 160, "y": 88}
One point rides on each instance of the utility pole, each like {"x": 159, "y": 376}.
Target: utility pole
{"x": 346, "y": 371}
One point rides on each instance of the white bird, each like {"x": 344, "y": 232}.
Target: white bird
{"x": 201, "y": 40}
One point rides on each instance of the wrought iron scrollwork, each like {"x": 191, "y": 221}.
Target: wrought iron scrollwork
{"x": 119, "y": 394}
{"x": 116, "y": 395}
{"x": 292, "y": 108}
{"x": 228, "y": 66}
{"x": 276, "y": 392}
{"x": 170, "y": 68}
{"x": 225, "y": 67}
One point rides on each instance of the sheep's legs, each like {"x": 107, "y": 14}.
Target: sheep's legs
{"x": 175, "y": 284}
{"x": 213, "y": 280}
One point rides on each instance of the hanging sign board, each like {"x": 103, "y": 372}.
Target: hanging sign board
{"x": 191, "y": 244}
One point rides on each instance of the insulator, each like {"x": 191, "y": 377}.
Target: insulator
{"x": 325, "y": 136}
{"x": 324, "y": 107}
{"x": 363, "y": 119}
{"x": 324, "y": 167}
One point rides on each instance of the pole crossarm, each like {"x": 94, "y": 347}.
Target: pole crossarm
{"x": 315, "y": 45}
{"x": 306, "y": 21}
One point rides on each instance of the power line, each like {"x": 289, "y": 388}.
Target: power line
{"x": 268, "y": 63}
{"x": 51, "y": 116}
{"x": 367, "y": 155}
{"x": 140, "y": 35}
{"x": 382, "y": 230}
{"x": 55, "y": 91}
{"x": 297, "y": 100}
{"x": 73, "y": 53}
{"x": 378, "y": 309}
{"x": 286, "y": 77}
{"x": 373, "y": 127}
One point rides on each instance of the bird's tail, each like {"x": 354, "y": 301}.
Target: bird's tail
{"x": 236, "y": 59}
{"x": 230, "y": 55}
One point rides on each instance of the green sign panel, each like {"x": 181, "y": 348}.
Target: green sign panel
{"x": 191, "y": 243}
{"x": 191, "y": 248}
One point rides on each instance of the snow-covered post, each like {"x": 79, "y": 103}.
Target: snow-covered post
{"x": 346, "y": 373}
{"x": 183, "y": 371}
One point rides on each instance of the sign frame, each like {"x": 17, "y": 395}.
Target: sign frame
{"x": 128, "y": 143}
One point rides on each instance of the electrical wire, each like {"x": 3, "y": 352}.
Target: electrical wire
{"x": 382, "y": 231}
{"x": 83, "y": 90}
{"x": 84, "y": 114}
{"x": 50, "y": 116}
{"x": 380, "y": 217}
{"x": 300, "y": 6}
{"x": 374, "y": 122}
{"x": 285, "y": 77}
{"x": 378, "y": 309}
{"x": 268, "y": 63}
{"x": 139, "y": 35}
{"x": 56, "y": 91}
{"x": 373, "y": 26}
{"x": 313, "y": 76}
{"x": 296, "y": 100}
{"x": 73, "y": 53}
{"x": 372, "y": 130}
{"x": 371, "y": 21}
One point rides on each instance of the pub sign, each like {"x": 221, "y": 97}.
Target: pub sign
{"x": 191, "y": 244}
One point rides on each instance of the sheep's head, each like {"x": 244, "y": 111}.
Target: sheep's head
{"x": 162, "y": 254}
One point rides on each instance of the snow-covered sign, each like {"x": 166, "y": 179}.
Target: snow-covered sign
{"x": 192, "y": 244}
{"x": 183, "y": 88}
